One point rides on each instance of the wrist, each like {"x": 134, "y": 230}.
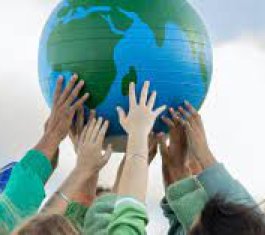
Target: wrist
{"x": 83, "y": 173}
{"x": 48, "y": 145}
{"x": 138, "y": 145}
{"x": 207, "y": 159}
{"x": 179, "y": 173}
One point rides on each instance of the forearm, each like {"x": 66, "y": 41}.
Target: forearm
{"x": 75, "y": 185}
{"x": 135, "y": 171}
{"x": 48, "y": 145}
{"x": 206, "y": 159}
{"x": 118, "y": 177}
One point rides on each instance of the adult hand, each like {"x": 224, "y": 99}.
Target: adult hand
{"x": 90, "y": 157}
{"x": 64, "y": 108}
{"x": 192, "y": 122}
{"x": 141, "y": 117}
{"x": 174, "y": 166}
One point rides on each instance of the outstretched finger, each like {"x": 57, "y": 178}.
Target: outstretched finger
{"x": 151, "y": 101}
{"x": 58, "y": 89}
{"x": 184, "y": 112}
{"x": 68, "y": 89}
{"x": 83, "y": 135}
{"x": 90, "y": 129}
{"x": 79, "y": 103}
{"x": 168, "y": 122}
{"x": 175, "y": 116}
{"x": 160, "y": 110}
{"x": 190, "y": 108}
{"x": 80, "y": 120}
{"x": 74, "y": 93}
{"x": 96, "y": 129}
{"x": 144, "y": 93}
{"x": 102, "y": 133}
{"x": 92, "y": 115}
{"x": 132, "y": 95}
{"x": 107, "y": 154}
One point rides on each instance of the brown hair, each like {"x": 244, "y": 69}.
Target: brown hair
{"x": 47, "y": 225}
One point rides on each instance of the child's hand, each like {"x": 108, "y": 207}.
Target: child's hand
{"x": 78, "y": 126}
{"x": 141, "y": 117}
{"x": 90, "y": 158}
{"x": 196, "y": 134}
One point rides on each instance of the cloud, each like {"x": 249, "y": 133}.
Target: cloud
{"x": 233, "y": 112}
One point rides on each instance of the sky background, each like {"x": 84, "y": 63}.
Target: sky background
{"x": 233, "y": 112}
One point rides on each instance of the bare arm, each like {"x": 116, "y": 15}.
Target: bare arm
{"x": 138, "y": 124}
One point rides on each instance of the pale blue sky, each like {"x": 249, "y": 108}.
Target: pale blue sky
{"x": 229, "y": 19}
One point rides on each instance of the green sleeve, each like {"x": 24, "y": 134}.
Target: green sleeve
{"x": 174, "y": 224}
{"x": 76, "y": 212}
{"x": 216, "y": 180}
{"x": 186, "y": 199}
{"x": 24, "y": 192}
{"x": 129, "y": 218}
{"x": 111, "y": 214}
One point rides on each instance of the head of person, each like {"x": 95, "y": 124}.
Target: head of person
{"x": 223, "y": 218}
{"x": 47, "y": 225}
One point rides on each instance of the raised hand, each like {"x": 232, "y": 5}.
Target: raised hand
{"x": 138, "y": 125}
{"x": 90, "y": 146}
{"x": 65, "y": 105}
{"x": 192, "y": 122}
{"x": 141, "y": 117}
{"x": 78, "y": 126}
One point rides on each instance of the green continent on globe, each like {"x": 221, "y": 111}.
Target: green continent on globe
{"x": 87, "y": 64}
{"x": 156, "y": 16}
{"x": 130, "y": 77}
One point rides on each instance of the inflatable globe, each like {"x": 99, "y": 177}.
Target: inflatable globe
{"x": 111, "y": 43}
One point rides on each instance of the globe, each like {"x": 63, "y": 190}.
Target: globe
{"x": 111, "y": 43}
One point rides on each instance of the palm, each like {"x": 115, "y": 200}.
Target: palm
{"x": 177, "y": 144}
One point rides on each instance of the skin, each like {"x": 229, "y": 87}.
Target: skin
{"x": 178, "y": 161}
{"x": 88, "y": 144}
{"x": 61, "y": 117}
{"x": 138, "y": 123}
{"x": 152, "y": 145}
{"x": 191, "y": 121}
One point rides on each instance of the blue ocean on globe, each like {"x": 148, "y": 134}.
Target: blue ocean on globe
{"x": 175, "y": 71}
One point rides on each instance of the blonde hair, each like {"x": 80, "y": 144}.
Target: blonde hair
{"x": 50, "y": 224}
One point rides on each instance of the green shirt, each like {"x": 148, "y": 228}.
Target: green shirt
{"x": 109, "y": 214}
{"x": 24, "y": 192}
{"x": 185, "y": 199}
